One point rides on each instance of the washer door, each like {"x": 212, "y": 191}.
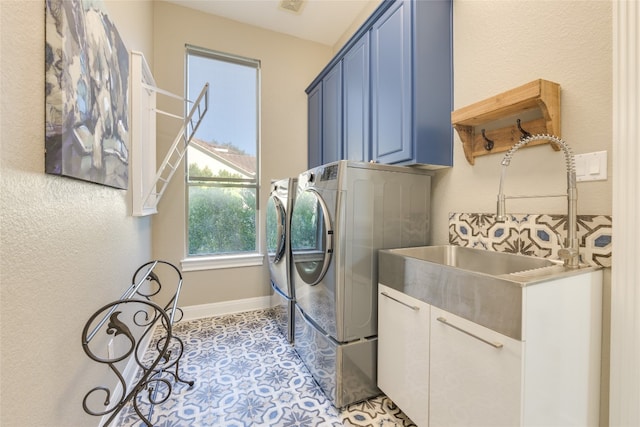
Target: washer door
{"x": 311, "y": 236}
{"x": 276, "y": 229}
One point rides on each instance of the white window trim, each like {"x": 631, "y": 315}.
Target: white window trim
{"x": 221, "y": 261}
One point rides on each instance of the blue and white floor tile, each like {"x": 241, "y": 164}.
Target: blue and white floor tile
{"x": 246, "y": 374}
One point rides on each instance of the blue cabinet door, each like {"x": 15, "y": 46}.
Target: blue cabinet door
{"x": 314, "y": 126}
{"x": 432, "y": 82}
{"x": 391, "y": 97}
{"x": 388, "y": 95}
{"x": 332, "y": 115}
{"x": 355, "y": 77}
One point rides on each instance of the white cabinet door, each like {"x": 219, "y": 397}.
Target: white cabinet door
{"x": 403, "y": 352}
{"x": 475, "y": 374}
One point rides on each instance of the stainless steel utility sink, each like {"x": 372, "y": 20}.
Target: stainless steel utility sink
{"x": 476, "y": 260}
{"x": 483, "y": 286}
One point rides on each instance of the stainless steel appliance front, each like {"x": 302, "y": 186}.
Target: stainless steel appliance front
{"x": 278, "y": 222}
{"x": 344, "y": 212}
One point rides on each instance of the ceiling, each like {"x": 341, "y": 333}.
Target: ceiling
{"x": 321, "y": 21}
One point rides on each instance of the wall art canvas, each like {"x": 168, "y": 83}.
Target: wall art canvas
{"x": 86, "y": 94}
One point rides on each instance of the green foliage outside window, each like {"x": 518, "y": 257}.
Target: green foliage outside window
{"x": 221, "y": 219}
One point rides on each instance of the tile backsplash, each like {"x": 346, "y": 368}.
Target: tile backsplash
{"x": 533, "y": 234}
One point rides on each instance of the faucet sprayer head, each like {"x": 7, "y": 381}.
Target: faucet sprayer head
{"x": 570, "y": 252}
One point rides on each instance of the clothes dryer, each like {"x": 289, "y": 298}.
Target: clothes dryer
{"x": 278, "y": 221}
{"x": 343, "y": 213}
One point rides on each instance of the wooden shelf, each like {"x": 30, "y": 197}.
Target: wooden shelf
{"x": 539, "y": 95}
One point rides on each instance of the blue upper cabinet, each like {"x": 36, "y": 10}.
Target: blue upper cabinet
{"x": 339, "y": 109}
{"x": 391, "y": 89}
{"x": 432, "y": 81}
{"x": 314, "y": 123}
{"x": 355, "y": 76}
{"x": 332, "y": 115}
{"x": 394, "y": 100}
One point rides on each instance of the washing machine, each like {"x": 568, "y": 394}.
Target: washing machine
{"x": 278, "y": 221}
{"x": 343, "y": 213}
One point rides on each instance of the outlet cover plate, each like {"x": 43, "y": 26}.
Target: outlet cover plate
{"x": 591, "y": 166}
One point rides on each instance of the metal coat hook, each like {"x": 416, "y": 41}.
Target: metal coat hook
{"x": 524, "y": 133}
{"x": 488, "y": 144}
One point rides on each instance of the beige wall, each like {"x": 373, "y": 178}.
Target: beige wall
{"x": 67, "y": 247}
{"x": 288, "y": 65}
{"x": 499, "y": 45}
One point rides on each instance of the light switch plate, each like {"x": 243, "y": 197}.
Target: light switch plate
{"x": 591, "y": 166}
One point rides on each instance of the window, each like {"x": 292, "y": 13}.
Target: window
{"x": 222, "y": 159}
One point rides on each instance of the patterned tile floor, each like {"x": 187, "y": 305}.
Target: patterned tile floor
{"x": 246, "y": 374}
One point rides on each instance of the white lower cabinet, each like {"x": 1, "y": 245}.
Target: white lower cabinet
{"x": 475, "y": 374}
{"x": 443, "y": 370}
{"x": 403, "y": 360}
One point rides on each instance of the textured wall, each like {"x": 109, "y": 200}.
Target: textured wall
{"x": 67, "y": 247}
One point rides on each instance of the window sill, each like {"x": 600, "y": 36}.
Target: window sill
{"x": 223, "y": 261}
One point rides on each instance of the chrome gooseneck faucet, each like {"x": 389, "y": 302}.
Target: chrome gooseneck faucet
{"x": 569, "y": 253}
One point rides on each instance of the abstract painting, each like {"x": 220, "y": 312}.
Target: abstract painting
{"x": 86, "y": 94}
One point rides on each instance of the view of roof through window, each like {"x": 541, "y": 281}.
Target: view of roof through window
{"x": 222, "y": 157}
{"x": 231, "y": 122}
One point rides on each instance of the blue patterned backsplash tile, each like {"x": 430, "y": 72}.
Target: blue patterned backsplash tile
{"x": 533, "y": 234}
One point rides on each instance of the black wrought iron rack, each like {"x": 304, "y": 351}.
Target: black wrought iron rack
{"x": 133, "y": 337}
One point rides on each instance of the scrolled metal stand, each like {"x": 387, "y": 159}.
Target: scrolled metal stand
{"x": 117, "y": 334}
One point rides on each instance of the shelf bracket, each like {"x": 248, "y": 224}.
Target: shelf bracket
{"x": 539, "y": 95}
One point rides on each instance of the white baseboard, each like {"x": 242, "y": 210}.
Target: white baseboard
{"x": 192, "y": 312}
